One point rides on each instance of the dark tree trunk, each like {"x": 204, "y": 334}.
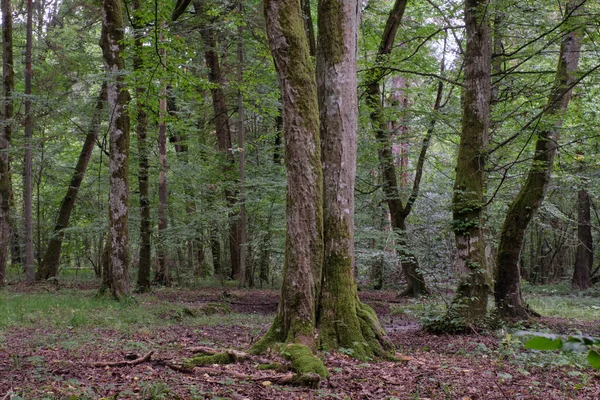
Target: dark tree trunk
{"x": 51, "y": 260}
{"x": 471, "y": 299}
{"x": 342, "y": 319}
{"x": 398, "y": 211}
{"x": 277, "y": 141}
{"x": 118, "y": 99}
{"x": 29, "y": 267}
{"x": 223, "y": 131}
{"x": 507, "y": 291}
{"x": 8, "y": 84}
{"x": 145, "y": 256}
{"x": 296, "y": 316}
{"x": 584, "y": 258}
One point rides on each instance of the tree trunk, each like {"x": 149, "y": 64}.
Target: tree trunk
{"x": 398, "y": 211}
{"x": 242, "y": 153}
{"x": 343, "y": 320}
{"x": 118, "y": 99}
{"x": 145, "y": 256}
{"x": 507, "y": 291}
{"x": 51, "y": 260}
{"x": 8, "y": 84}
{"x": 471, "y": 299}
{"x": 223, "y": 132}
{"x": 296, "y": 316}
{"x": 584, "y": 258}
{"x": 162, "y": 271}
{"x": 29, "y": 267}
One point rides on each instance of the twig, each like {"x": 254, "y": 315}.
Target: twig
{"x": 8, "y": 395}
{"x": 124, "y": 363}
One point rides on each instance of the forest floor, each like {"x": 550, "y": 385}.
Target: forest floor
{"x": 50, "y": 341}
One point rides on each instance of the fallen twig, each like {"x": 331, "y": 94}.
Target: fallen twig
{"x": 123, "y": 363}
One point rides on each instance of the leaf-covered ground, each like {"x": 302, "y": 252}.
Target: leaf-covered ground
{"x": 42, "y": 357}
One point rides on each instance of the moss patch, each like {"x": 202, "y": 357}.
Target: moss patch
{"x": 220, "y": 358}
{"x": 303, "y": 360}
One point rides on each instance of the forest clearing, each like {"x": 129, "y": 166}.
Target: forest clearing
{"x": 49, "y": 343}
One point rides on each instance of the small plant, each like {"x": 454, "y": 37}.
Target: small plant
{"x": 576, "y": 343}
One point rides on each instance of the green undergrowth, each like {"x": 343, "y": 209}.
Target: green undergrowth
{"x": 73, "y": 309}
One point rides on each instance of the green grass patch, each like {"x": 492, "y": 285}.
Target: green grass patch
{"x": 571, "y": 307}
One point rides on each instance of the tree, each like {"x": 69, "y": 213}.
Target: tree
{"x": 507, "y": 290}
{"x": 29, "y": 267}
{"x": 471, "y": 299}
{"x": 398, "y": 211}
{"x": 51, "y": 260}
{"x": 584, "y": 258}
{"x": 118, "y": 99}
{"x": 343, "y": 321}
{"x": 8, "y": 83}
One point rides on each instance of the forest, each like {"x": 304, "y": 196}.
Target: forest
{"x": 246, "y": 199}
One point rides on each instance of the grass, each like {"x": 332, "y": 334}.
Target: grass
{"x": 73, "y": 308}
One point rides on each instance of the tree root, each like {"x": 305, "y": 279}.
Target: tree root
{"x": 124, "y": 363}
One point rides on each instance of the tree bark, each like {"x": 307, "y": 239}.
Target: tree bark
{"x": 223, "y": 132}
{"x": 343, "y": 320}
{"x": 471, "y": 299}
{"x": 507, "y": 291}
{"x": 118, "y": 99}
{"x": 296, "y": 316}
{"x": 415, "y": 282}
{"x": 242, "y": 154}
{"x": 8, "y": 84}
{"x": 584, "y": 257}
{"x": 145, "y": 256}
{"x": 51, "y": 260}
{"x": 29, "y": 267}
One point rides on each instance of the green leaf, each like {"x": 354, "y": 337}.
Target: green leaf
{"x": 594, "y": 359}
{"x": 543, "y": 343}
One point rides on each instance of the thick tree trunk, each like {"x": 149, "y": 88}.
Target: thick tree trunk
{"x": 471, "y": 299}
{"x": 8, "y": 84}
{"x": 343, "y": 321}
{"x": 398, "y": 211}
{"x": 118, "y": 99}
{"x": 51, "y": 260}
{"x": 29, "y": 267}
{"x": 145, "y": 256}
{"x": 296, "y": 316}
{"x": 584, "y": 258}
{"x": 507, "y": 291}
{"x": 223, "y": 132}
{"x": 242, "y": 273}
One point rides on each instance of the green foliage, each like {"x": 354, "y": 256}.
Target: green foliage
{"x": 542, "y": 341}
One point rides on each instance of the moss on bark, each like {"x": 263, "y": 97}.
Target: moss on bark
{"x": 219, "y": 358}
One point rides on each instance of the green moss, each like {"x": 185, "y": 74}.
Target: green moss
{"x": 304, "y": 361}
{"x": 219, "y": 358}
{"x": 273, "y": 336}
{"x": 331, "y": 18}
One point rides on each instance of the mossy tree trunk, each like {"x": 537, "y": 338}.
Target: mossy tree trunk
{"x": 471, "y": 299}
{"x": 343, "y": 321}
{"x": 507, "y": 291}
{"x": 51, "y": 260}
{"x": 8, "y": 84}
{"x": 118, "y": 99}
{"x": 28, "y": 267}
{"x": 399, "y": 212}
{"x": 145, "y": 255}
{"x": 296, "y": 316}
{"x": 584, "y": 257}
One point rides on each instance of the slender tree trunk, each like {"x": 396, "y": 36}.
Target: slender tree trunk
{"x": 118, "y": 99}
{"x": 29, "y": 267}
{"x": 584, "y": 258}
{"x": 309, "y": 28}
{"x": 471, "y": 299}
{"x": 8, "y": 84}
{"x": 145, "y": 256}
{"x": 242, "y": 153}
{"x": 343, "y": 320}
{"x": 507, "y": 291}
{"x": 51, "y": 260}
{"x": 398, "y": 211}
{"x": 223, "y": 132}
{"x": 296, "y": 316}
{"x": 162, "y": 272}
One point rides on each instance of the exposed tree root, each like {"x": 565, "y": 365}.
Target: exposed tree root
{"x": 124, "y": 363}
{"x": 239, "y": 355}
